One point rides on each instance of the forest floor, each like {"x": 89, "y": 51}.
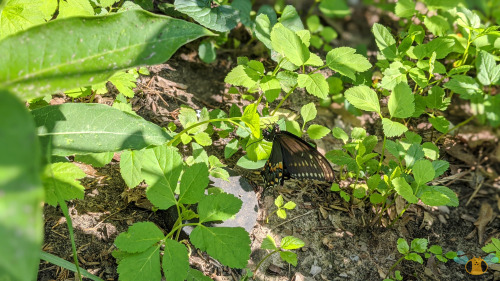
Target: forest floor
{"x": 343, "y": 241}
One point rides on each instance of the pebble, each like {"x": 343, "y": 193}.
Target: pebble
{"x": 315, "y": 270}
{"x": 354, "y": 258}
{"x": 343, "y": 275}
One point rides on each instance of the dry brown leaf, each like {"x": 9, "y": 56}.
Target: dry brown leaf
{"x": 485, "y": 216}
{"x": 428, "y": 221}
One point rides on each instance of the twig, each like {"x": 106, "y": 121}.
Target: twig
{"x": 292, "y": 219}
{"x": 475, "y": 192}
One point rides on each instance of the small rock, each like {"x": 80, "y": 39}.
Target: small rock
{"x": 354, "y": 258}
{"x": 442, "y": 219}
{"x": 298, "y": 277}
{"x": 444, "y": 209}
{"x": 343, "y": 275}
{"x": 315, "y": 270}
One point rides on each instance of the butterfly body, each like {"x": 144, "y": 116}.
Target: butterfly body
{"x": 292, "y": 157}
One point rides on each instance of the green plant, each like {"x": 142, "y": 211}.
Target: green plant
{"x": 282, "y": 207}
{"x": 493, "y": 247}
{"x": 418, "y": 247}
{"x": 287, "y": 243}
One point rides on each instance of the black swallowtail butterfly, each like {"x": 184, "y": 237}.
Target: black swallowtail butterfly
{"x": 292, "y": 157}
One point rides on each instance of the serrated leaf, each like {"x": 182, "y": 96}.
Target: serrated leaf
{"x": 401, "y": 102}
{"x": 403, "y": 246}
{"x": 418, "y": 76}
{"x": 229, "y": 245}
{"x": 44, "y": 66}
{"x": 438, "y": 195}
{"x": 392, "y": 128}
{"x": 289, "y": 44}
{"x": 124, "y": 82}
{"x": 413, "y": 154}
{"x": 414, "y": 257}
{"x": 385, "y": 41}
{"x": 139, "y": 237}
{"x": 252, "y": 119}
{"x": 291, "y": 19}
{"x": 364, "y": 98}
{"x": 271, "y": 87}
{"x": 466, "y": 86}
{"x": 231, "y": 148}
{"x": 345, "y": 61}
{"x": 434, "y": 99}
{"x": 268, "y": 243}
{"x": 419, "y": 245}
{"x": 193, "y": 183}
{"x": 431, "y": 151}
{"x": 289, "y": 257}
{"x": 291, "y": 243}
{"x": 114, "y": 130}
{"x": 405, "y": 8}
{"x": 59, "y": 180}
{"x": 141, "y": 266}
{"x": 175, "y": 262}
{"x": 394, "y": 75}
{"x": 308, "y": 112}
{"x": 488, "y": 71}
{"x": 95, "y": 159}
{"x": 203, "y": 138}
{"x": 222, "y": 18}
{"x": 161, "y": 168}
{"x": 437, "y": 25}
{"x": 196, "y": 275}
{"x": 440, "y": 166}
{"x": 18, "y": 15}
{"x": 314, "y": 60}
{"x": 315, "y": 84}
{"x": 218, "y": 207}
{"x": 242, "y": 76}
{"x": 440, "y": 123}
{"x": 338, "y": 133}
{"x": 316, "y": 132}
{"x": 404, "y": 190}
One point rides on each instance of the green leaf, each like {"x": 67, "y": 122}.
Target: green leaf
{"x": 124, "y": 82}
{"x": 75, "y": 8}
{"x": 437, "y": 25}
{"x": 218, "y": 207}
{"x": 436, "y": 249}
{"x": 340, "y": 157}
{"x": 243, "y": 7}
{"x": 139, "y": 237}
{"x": 59, "y": 180}
{"x": 403, "y": 246}
{"x": 466, "y": 86}
{"x": 18, "y": 15}
{"x": 401, "y": 102}
{"x": 338, "y": 133}
{"x": 203, "y": 138}
{"x": 376, "y": 198}
{"x": 289, "y": 257}
{"x": 418, "y": 76}
{"x": 314, "y": 24}
{"x": 175, "y": 260}
{"x": 434, "y": 99}
{"x": 440, "y": 123}
{"x": 291, "y": 243}
{"x": 328, "y": 35}
{"x": 334, "y": 8}
{"x": 22, "y": 194}
{"x": 279, "y": 201}
{"x": 243, "y": 76}
{"x": 316, "y": 132}
{"x": 151, "y": 39}
{"x": 229, "y": 245}
{"x": 95, "y": 159}
{"x": 222, "y": 18}
{"x": 114, "y": 130}
{"x": 488, "y": 71}
{"x": 440, "y": 166}
{"x": 161, "y": 168}
{"x": 291, "y": 19}
{"x": 231, "y": 148}
{"x": 419, "y": 245}
{"x": 405, "y": 8}
{"x": 193, "y": 183}
{"x": 245, "y": 163}
{"x": 263, "y": 30}
{"x": 392, "y": 128}
{"x": 413, "y": 154}
{"x": 315, "y": 84}
{"x": 290, "y": 205}
{"x": 494, "y": 246}
{"x": 431, "y": 151}
{"x": 206, "y": 51}
{"x": 308, "y": 112}
{"x": 492, "y": 109}
{"x": 414, "y": 257}
{"x": 130, "y": 167}
{"x": 394, "y": 75}
{"x": 438, "y": 195}
{"x": 345, "y": 61}
{"x": 252, "y": 119}
{"x": 141, "y": 266}
{"x": 196, "y": 275}
{"x": 364, "y": 98}
{"x": 271, "y": 87}
{"x": 385, "y": 41}
{"x": 281, "y": 213}
{"x": 268, "y": 243}
{"x": 289, "y": 44}
{"x": 423, "y": 171}
{"x": 404, "y": 190}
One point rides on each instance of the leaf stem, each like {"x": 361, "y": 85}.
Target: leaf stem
{"x": 394, "y": 265}
{"x": 283, "y": 100}
{"x": 262, "y": 260}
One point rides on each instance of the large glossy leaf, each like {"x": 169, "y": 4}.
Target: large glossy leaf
{"x": 76, "y": 128}
{"x": 21, "y": 192}
{"x": 79, "y": 51}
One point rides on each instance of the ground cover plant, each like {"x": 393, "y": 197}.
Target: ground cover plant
{"x": 71, "y": 99}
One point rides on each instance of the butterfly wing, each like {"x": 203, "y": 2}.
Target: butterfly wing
{"x": 275, "y": 171}
{"x": 301, "y": 160}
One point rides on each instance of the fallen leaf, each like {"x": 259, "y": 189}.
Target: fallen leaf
{"x": 485, "y": 216}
